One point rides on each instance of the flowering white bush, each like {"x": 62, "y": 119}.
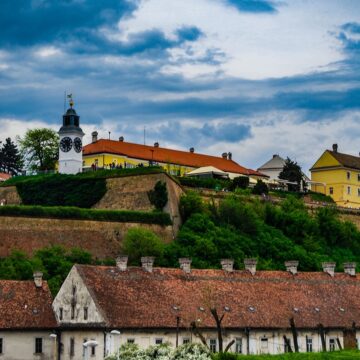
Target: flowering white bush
{"x": 191, "y": 352}
{"x": 162, "y": 352}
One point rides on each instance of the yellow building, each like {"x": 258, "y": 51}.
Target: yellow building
{"x": 337, "y": 175}
{"x": 104, "y": 153}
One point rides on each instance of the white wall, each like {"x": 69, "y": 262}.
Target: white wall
{"x": 20, "y": 345}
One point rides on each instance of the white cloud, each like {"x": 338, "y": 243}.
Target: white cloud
{"x": 295, "y": 40}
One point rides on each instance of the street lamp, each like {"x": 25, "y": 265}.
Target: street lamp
{"x": 86, "y": 345}
{"x": 115, "y": 332}
{"x": 54, "y": 337}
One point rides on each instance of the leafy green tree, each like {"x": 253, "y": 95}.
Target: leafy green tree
{"x": 241, "y": 182}
{"x": 140, "y": 242}
{"x": 260, "y": 188}
{"x": 292, "y": 172}
{"x": 10, "y": 158}
{"x": 40, "y": 149}
{"x": 159, "y": 195}
{"x": 190, "y": 203}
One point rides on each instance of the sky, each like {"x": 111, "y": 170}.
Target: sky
{"x": 253, "y": 77}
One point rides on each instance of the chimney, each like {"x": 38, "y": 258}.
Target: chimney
{"x": 121, "y": 262}
{"x": 185, "y": 265}
{"x": 121, "y": 138}
{"x": 224, "y": 155}
{"x": 229, "y": 155}
{"x": 227, "y": 264}
{"x": 192, "y": 150}
{"x": 94, "y": 135}
{"x": 350, "y": 268}
{"x": 38, "y": 278}
{"x": 250, "y": 265}
{"x": 147, "y": 263}
{"x": 329, "y": 267}
{"x": 156, "y": 144}
{"x": 291, "y": 266}
{"x": 335, "y": 148}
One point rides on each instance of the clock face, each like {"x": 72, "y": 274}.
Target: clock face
{"x": 77, "y": 144}
{"x": 66, "y": 144}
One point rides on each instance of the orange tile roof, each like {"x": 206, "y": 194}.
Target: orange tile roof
{"x": 4, "y": 176}
{"x": 24, "y": 306}
{"x": 162, "y": 155}
{"x": 137, "y": 299}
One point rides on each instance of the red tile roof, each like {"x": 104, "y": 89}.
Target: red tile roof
{"x": 4, "y": 176}
{"x": 162, "y": 155}
{"x": 24, "y": 306}
{"x": 138, "y": 299}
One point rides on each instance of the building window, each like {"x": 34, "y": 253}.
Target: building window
{"x": 74, "y": 290}
{"x": 358, "y": 191}
{"x": 93, "y": 348}
{"x": 72, "y": 347}
{"x": 212, "y": 345}
{"x": 85, "y": 313}
{"x": 332, "y": 346}
{"x": 331, "y": 190}
{"x": 348, "y": 175}
{"x": 264, "y": 348}
{"x": 309, "y": 345}
{"x": 61, "y": 313}
{"x": 38, "y": 346}
{"x": 131, "y": 341}
{"x": 72, "y": 311}
{"x": 238, "y": 345}
{"x": 1, "y": 345}
{"x": 358, "y": 177}
{"x": 349, "y": 190}
{"x": 158, "y": 341}
{"x": 186, "y": 341}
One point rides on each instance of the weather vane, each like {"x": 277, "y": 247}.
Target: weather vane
{"x": 71, "y": 101}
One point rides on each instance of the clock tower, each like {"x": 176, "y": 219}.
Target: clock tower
{"x": 70, "y": 149}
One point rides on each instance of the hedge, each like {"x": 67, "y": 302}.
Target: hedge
{"x": 65, "y": 212}
{"x": 209, "y": 183}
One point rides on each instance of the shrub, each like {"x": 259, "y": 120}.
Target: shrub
{"x": 61, "y": 190}
{"x": 140, "y": 242}
{"x": 189, "y": 204}
{"x": 191, "y": 352}
{"x": 260, "y": 188}
{"x": 159, "y": 195}
{"x": 241, "y": 182}
{"x": 59, "y": 212}
{"x": 206, "y": 183}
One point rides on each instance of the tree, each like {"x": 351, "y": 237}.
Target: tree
{"x": 191, "y": 203}
{"x": 260, "y": 188}
{"x": 241, "y": 182}
{"x": 10, "y": 158}
{"x": 292, "y": 172}
{"x": 159, "y": 195}
{"x": 40, "y": 148}
{"x": 140, "y": 242}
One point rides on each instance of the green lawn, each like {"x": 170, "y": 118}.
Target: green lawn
{"x": 298, "y": 356}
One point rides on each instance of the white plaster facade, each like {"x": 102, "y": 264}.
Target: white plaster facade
{"x": 70, "y": 162}
{"x": 20, "y": 345}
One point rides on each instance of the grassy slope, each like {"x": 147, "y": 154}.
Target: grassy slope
{"x": 336, "y": 355}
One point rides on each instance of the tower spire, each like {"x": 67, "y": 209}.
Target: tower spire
{"x": 71, "y": 100}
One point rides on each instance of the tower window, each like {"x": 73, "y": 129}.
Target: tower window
{"x": 85, "y": 313}
{"x": 61, "y": 313}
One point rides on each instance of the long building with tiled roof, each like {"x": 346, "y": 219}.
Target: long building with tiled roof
{"x": 26, "y": 320}
{"x": 260, "y": 309}
{"x": 105, "y": 152}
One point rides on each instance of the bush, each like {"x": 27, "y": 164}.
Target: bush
{"x": 61, "y": 190}
{"x": 206, "y": 183}
{"x": 260, "y": 188}
{"x": 140, "y": 242}
{"x": 159, "y": 196}
{"x": 191, "y": 352}
{"x": 189, "y": 204}
{"x": 241, "y": 182}
{"x": 59, "y": 212}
